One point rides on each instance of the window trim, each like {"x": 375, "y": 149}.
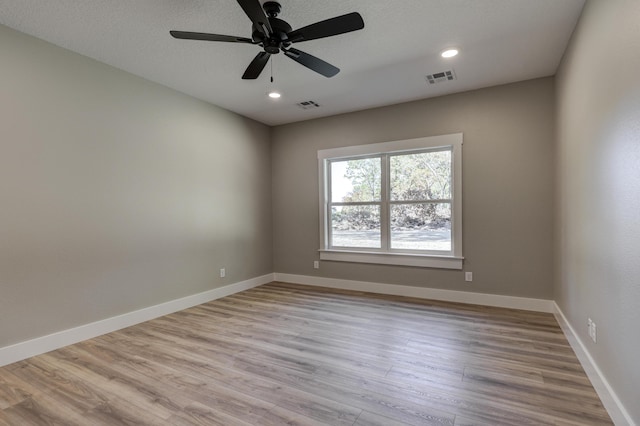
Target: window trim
{"x": 451, "y": 260}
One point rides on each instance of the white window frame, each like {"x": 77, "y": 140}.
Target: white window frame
{"x": 448, "y": 260}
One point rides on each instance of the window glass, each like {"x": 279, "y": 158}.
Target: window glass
{"x": 356, "y": 226}
{"x": 422, "y": 176}
{"x": 421, "y": 226}
{"x": 356, "y": 180}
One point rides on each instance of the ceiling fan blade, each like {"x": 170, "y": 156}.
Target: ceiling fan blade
{"x": 311, "y": 62}
{"x": 256, "y": 66}
{"x": 330, "y": 27}
{"x": 254, "y": 11}
{"x": 186, "y": 35}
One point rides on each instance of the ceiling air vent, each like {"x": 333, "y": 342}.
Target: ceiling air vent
{"x": 441, "y": 77}
{"x": 308, "y": 105}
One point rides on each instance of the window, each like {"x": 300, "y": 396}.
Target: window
{"x": 393, "y": 203}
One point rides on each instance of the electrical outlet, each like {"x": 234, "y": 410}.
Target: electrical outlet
{"x": 592, "y": 329}
{"x": 316, "y": 264}
{"x": 223, "y": 273}
{"x": 468, "y": 276}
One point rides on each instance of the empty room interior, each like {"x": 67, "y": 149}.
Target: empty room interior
{"x": 436, "y": 221}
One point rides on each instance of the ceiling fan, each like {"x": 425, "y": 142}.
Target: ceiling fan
{"x": 275, "y": 35}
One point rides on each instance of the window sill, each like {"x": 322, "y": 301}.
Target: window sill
{"x": 400, "y": 259}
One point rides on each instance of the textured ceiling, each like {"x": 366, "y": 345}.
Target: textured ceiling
{"x": 500, "y": 41}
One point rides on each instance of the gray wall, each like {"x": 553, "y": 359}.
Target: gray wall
{"x": 508, "y": 178}
{"x": 116, "y": 193}
{"x": 598, "y": 89}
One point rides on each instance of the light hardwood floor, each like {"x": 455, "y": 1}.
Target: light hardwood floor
{"x": 288, "y": 354}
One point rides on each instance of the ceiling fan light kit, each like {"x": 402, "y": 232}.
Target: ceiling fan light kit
{"x": 275, "y": 35}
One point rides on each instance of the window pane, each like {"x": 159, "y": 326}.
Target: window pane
{"x": 356, "y": 226}
{"x": 355, "y": 180}
{"x": 424, "y": 176}
{"x": 421, "y": 226}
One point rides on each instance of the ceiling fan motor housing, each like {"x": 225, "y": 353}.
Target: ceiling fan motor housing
{"x": 279, "y": 38}
{"x": 272, "y": 8}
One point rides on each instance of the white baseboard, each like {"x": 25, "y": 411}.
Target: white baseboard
{"x": 538, "y": 305}
{"x": 40, "y": 345}
{"x": 609, "y": 399}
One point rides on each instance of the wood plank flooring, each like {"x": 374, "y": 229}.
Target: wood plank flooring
{"x": 285, "y": 354}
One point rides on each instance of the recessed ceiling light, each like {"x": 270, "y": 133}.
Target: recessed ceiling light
{"x": 449, "y": 53}
{"x": 274, "y": 95}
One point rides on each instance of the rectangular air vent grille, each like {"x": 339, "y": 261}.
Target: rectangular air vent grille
{"x": 441, "y": 77}
{"x": 308, "y": 105}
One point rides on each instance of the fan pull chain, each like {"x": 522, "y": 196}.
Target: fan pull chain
{"x": 273, "y": 93}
